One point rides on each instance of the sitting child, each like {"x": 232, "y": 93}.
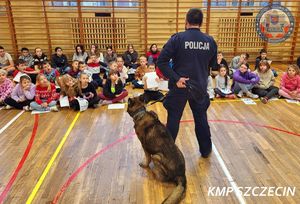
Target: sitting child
{"x": 210, "y": 89}
{"x": 6, "y": 86}
{"x": 222, "y": 89}
{"x": 23, "y": 69}
{"x": 140, "y": 72}
{"x": 45, "y": 95}
{"x": 263, "y": 56}
{"x": 220, "y": 61}
{"x": 83, "y": 69}
{"x": 265, "y": 87}
{"x": 290, "y": 83}
{"x": 112, "y": 66}
{"x": 151, "y": 94}
{"x": 74, "y": 70}
{"x": 87, "y": 90}
{"x": 122, "y": 70}
{"x": 113, "y": 90}
{"x": 69, "y": 87}
{"x": 22, "y": 94}
{"x": 50, "y": 73}
{"x": 60, "y": 61}
{"x": 38, "y": 59}
{"x": 93, "y": 66}
{"x": 244, "y": 81}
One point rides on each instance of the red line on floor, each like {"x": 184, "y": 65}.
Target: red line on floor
{"x": 111, "y": 145}
{"x": 247, "y": 123}
{"x": 22, "y": 161}
{"x": 87, "y": 162}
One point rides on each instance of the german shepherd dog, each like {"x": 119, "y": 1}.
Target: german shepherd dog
{"x": 159, "y": 147}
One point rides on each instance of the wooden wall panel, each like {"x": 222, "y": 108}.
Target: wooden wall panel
{"x": 40, "y": 24}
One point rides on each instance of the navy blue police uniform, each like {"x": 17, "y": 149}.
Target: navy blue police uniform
{"x": 193, "y": 53}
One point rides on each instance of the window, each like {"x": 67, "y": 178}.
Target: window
{"x": 120, "y": 3}
{"x": 235, "y": 3}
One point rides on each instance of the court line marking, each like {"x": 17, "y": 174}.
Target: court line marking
{"x": 22, "y": 161}
{"x": 50, "y": 163}
{"x": 87, "y": 162}
{"x": 11, "y": 121}
{"x": 91, "y": 159}
{"x": 235, "y": 187}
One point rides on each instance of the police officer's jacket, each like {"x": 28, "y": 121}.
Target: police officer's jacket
{"x": 192, "y": 52}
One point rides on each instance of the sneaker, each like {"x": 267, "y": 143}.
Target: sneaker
{"x": 27, "y": 108}
{"x": 54, "y": 108}
{"x": 264, "y": 100}
{"x": 251, "y": 95}
{"x": 8, "y": 107}
{"x": 240, "y": 94}
{"x": 230, "y": 96}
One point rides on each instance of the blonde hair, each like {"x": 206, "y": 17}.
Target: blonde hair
{"x": 79, "y": 82}
{"x": 38, "y": 78}
{"x": 69, "y": 91}
{"x": 2, "y": 71}
{"x": 295, "y": 67}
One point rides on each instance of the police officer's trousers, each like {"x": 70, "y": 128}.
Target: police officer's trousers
{"x": 175, "y": 103}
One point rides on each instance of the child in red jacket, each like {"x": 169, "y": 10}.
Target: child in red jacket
{"x": 45, "y": 95}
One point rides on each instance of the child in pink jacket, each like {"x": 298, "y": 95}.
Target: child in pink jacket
{"x": 290, "y": 83}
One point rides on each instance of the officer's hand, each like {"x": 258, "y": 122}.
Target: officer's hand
{"x": 181, "y": 82}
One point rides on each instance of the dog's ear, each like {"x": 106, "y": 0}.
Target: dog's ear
{"x": 142, "y": 98}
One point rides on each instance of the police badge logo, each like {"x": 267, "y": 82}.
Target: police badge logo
{"x": 274, "y": 24}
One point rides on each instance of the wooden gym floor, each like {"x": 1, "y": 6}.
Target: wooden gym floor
{"x": 93, "y": 157}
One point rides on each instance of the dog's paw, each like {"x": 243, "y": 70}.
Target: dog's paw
{"x": 144, "y": 165}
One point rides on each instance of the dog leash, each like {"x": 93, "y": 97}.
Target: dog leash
{"x": 158, "y": 100}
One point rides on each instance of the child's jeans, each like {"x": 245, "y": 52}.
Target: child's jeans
{"x": 35, "y": 106}
{"x": 242, "y": 87}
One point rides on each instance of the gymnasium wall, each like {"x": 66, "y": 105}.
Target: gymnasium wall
{"x": 47, "y": 24}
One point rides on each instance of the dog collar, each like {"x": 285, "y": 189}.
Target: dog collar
{"x": 139, "y": 114}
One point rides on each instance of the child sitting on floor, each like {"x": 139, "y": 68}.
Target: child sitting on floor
{"x": 6, "y": 86}
{"x": 290, "y": 83}
{"x": 222, "y": 89}
{"x": 140, "y": 72}
{"x": 151, "y": 94}
{"x": 23, "y": 69}
{"x": 112, "y": 66}
{"x": 69, "y": 87}
{"x": 122, "y": 70}
{"x": 45, "y": 95}
{"x": 88, "y": 91}
{"x": 113, "y": 90}
{"x": 244, "y": 81}
{"x": 74, "y": 69}
{"x": 265, "y": 87}
{"x": 38, "y": 59}
{"x": 50, "y": 73}
{"x": 93, "y": 66}
{"x": 22, "y": 94}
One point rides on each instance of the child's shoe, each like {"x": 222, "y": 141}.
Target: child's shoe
{"x": 240, "y": 94}
{"x": 54, "y": 109}
{"x": 251, "y": 95}
{"x": 8, "y": 107}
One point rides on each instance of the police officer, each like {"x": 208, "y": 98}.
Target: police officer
{"x": 193, "y": 53}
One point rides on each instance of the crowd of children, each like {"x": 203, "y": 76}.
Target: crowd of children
{"x": 35, "y": 83}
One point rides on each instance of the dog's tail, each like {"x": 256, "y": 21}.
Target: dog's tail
{"x": 178, "y": 193}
